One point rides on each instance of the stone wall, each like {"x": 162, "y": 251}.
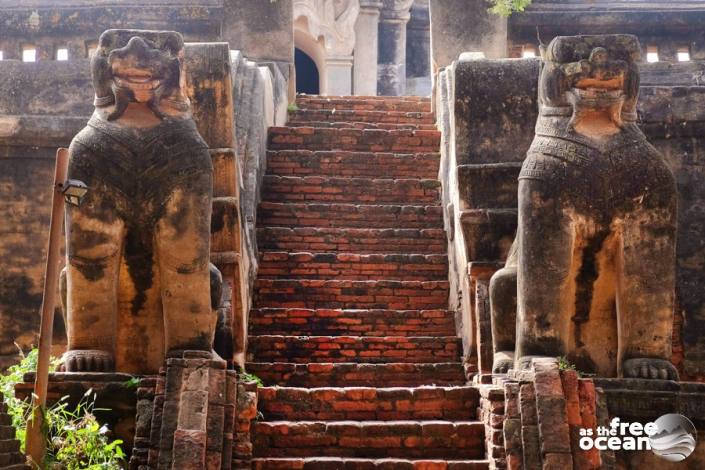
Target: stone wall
{"x": 667, "y": 24}
{"x": 76, "y": 24}
{"x": 487, "y": 110}
{"x": 44, "y": 104}
{"x": 36, "y": 117}
{"x": 452, "y": 35}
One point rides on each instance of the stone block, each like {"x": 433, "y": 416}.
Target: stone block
{"x": 553, "y": 424}
{"x": 217, "y": 387}
{"x": 500, "y": 94}
{"x": 527, "y": 404}
{"x": 189, "y": 449}
{"x": 588, "y": 412}
{"x": 511, "y": 393}
{"x": 225, "y": 173}
{"x": 556, "y": 461}
{"x": 450, "y": 35}
{"x": 569, "y": 381}
{"x": 209, "y": 87}
{"x": 245, "y": 24}
{"x": 531, "y": 446}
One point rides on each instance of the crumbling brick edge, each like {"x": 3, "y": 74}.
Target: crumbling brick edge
{"x": 194, "y": 414}
{"x": 533, "y": 419}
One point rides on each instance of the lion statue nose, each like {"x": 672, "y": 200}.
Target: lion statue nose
{"x": 137, "y": 46}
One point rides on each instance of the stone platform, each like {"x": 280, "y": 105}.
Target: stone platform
{"x": 533, "y": 418}
{"x": 640, "y": 399}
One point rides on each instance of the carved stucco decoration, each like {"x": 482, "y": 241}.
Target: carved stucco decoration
{"x": 396, "y": 9}
{"x": 334, "y": 20}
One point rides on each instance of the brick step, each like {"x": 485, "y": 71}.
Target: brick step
{"x": 11, "y": 459}
{"x": 409, "y": 439}
{"x": 359, "y": 164}
{"x": 332, "y": 322}
{"x": 305, "y": 114}
{"x": 311, "y": 293}
{"x": 370, "y": 349}
{"x": 9, "y": 446}
{"x": 353, "y": 266}
{"x": 365, "y": 103}
{"x": 360, "y": 125}
{"x": 360, "y": 140}
{"x": 287, "y": 214}
{"x": 356, "y": 240}
{"x": 7, "y": 432}
{"x": 367, "y": 403}
{"x": 350, "y": 190}
{"x": 341, "y": 463}
{"x": 358, "y": 375}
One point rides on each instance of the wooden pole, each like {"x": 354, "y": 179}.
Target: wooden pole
{"x": 35, "y": 443}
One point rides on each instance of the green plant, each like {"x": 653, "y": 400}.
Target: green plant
{"x": 75, "y": 439}
{"x": 247, "y": 377}
{"x": 132, "y": 382}
{"x": 19, "y": 410}
{"x": 565, "y": 364}
{"x": 292, "y": 107}
{"x": 507, "y": 7}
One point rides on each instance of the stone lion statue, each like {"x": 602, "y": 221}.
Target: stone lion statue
{"x": 138, "y": 277}
{"x": 594, "y": 268}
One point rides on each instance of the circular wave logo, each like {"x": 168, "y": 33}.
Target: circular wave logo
{"x": 675, "y": 438}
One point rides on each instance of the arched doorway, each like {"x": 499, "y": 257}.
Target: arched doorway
{"x": 307, "y": 76}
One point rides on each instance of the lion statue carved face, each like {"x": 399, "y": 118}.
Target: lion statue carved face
{"x": 591, "y": 73}
{"x": 134, "y": 66}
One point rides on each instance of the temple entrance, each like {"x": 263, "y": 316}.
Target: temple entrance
{"x": 307, "y": 77}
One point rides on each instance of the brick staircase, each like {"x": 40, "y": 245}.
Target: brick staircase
{"x": 10, "y": 456}
{"x": 350, "y": 331}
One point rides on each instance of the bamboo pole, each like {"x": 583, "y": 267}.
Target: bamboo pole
{"x": 34, "y": 442}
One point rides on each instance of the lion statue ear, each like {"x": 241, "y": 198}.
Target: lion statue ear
{"x": 102, "y": 80}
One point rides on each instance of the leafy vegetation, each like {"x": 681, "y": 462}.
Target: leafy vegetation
{"x": 507, "y": 7}
{"x": 247, "y": 377}
{"x": 133, "y": 382}
{"x": 78, "y": 441}
{"x": 75, "y": 439}
{"x": 16, "y": 408}
{"x": 292, "y": 107}
{"x": 565, "y": 364}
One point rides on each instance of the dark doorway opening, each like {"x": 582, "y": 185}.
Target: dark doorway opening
{"x": 307, "y": 80}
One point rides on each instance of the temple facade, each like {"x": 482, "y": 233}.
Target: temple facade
{"x": 433, "y": 237}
